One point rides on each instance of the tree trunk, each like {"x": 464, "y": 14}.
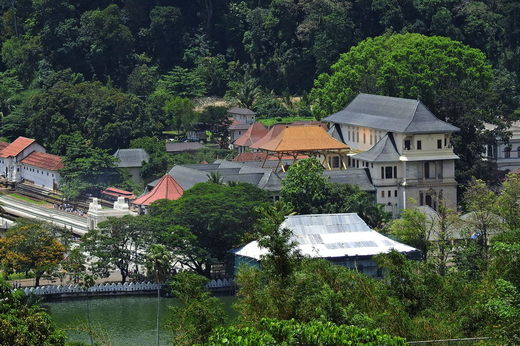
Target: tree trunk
{"x": 37, "y": 277}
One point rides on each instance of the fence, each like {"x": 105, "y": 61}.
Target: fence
{"x": 115, "y": 288}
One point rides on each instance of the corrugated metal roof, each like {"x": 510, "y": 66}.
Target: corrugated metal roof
{"x": 131, "y": 157}
{"x": 331, "y": 235}
{"x": 392, "y": 114}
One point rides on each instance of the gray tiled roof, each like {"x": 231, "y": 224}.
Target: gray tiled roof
{"x": 131, "y": 157}
{"x": 352, "y": 176}
{"x": 384, "y": 151}
{"x": 173, "y": 147}
{"x": 243, "y": 111}
{"x": 391, "y": 114}
{"x": 264, "y": 178}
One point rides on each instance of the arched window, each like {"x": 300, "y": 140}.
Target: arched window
{"x": 507, "y": 152}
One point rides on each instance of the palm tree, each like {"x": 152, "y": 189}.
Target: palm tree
{"x": 215, "y": 178}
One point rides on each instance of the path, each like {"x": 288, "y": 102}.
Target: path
{"x": 78, "y": 224}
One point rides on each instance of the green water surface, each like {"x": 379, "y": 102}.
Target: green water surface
{"x": 121, "y": 320}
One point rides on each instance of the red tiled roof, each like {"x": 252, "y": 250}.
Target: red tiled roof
{"x": 166, "y": 188}
{"x": 3, "y": 145}
{"x": 273, "y": 132}
{"x": 252, "y": 135}
{"x": 112, "y": 191}
{"x": 15, "y": 148}
{"x": 43, "y": 160}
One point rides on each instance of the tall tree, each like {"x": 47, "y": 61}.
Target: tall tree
{"x": 31, "y": 246}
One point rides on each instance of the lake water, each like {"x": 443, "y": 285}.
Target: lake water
{"x": 119, "y": 320}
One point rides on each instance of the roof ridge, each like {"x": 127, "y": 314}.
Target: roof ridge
{"x": 414, "y": 113}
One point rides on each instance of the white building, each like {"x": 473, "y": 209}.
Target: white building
{"x": 242, "y": 119}
{"x": 405, "y": 148}
{"x": 506, "y": 155}
{"x": 25, "y": 160}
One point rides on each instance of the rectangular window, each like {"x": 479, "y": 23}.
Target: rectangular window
{"x": 419, "y": 145}
{"x": 382, "y": 172}
{"x": 389, "y": 194}
{"x": 421, "y": 198}
{"x": 439, "y": 144}
{"x": 382, "y": 194}
{"x": 364, "y": 138}
{"x": 395, "y": 171}
{"x": 407, "y": 144}
{"x": 388, "y": 172}
{"x": 395, "y": 193}
{"x": 371, "y": 139}
{"x": 357, "y": 136}
{"x": 334, "y": 161}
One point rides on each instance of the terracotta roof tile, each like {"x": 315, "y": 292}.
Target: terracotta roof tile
{"x": 3, "y": 145}
{"x": 252, "y": 135}
{"x": 112, "y": 191}
{"x": 260, "y": 156}
{"x": 303, "y": 138}
{"x": 43, "y": 160}
{"x": 273, "y": 132}
{"x": 166, "y": 188}
{"x": 16, "y": 147}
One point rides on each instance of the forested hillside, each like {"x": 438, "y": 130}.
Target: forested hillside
{"x": 114, "y": 71}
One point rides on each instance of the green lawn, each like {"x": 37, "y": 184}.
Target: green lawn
{"x": 26, "y": 199}
{"x": 272, "y": 121}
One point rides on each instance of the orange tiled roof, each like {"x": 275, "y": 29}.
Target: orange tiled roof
{"x": 166, "y": 188}
{"x": 273, "y": 132}
{"x": 260, "y": 156}
{"x": 3, "y": 145}
{"x": 15, "y": 148}
{"x": 253, "y": 134}
{"x": 43, "y": 160}
{"x": 303, "y": 138}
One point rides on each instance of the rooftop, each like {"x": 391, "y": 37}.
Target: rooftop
{"x": 385, "y": 150}
{"x": 172, "y": 147}
{"x": 166, "y": 188}
{"x": 43, "y": 160}
{"x": 331, "y": 236}
{"x": 302, "y": 138}
{"x": 252, "y": 135}
{"x": 16, "y": 147}
{"x": 131, "y": 157}
{"x": 115, "y": 192}
{"x": 390, "y": 114}
{"x": 241, "y": 111}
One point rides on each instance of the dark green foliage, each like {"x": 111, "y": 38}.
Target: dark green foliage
{"x": 216, "y": 216}
{"x": 24, "y": 324}
{"x": 193, "y": 321}
{"x": 309, "y": 192}
{"x": 106, "y": 116}
{"x": 87, "y": 169}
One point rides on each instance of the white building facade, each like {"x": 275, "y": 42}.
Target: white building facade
{"x": 24, "y": 160}
{"x": 505, "y": 154}
{"x": 404, "y": 147}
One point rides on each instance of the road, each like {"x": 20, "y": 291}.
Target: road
{"x": 78, "y": 224}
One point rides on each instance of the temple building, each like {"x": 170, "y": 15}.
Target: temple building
{"x": 404, "y": 147}
{"x": 312, "y": 141}
{"x": 505, "y": 154}
{"x": 165, "y": 188}
{"x": 26, "y": 161}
